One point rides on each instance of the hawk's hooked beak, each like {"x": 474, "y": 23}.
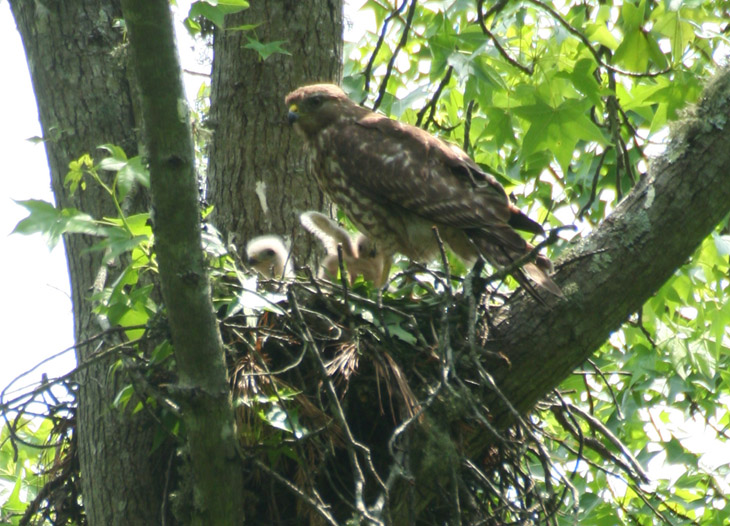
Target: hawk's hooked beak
{"x": 292, "y": 116}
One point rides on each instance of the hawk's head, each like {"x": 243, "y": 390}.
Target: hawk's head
{"x": 314, "y": 108}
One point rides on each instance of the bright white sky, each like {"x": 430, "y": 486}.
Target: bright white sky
{"x": 35, "y": 320}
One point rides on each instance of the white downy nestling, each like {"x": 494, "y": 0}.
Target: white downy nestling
{"x": 269, "y": 256}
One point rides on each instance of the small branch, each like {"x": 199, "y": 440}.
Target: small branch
{"x": 528, "y": 70}
{"x": 431, "y": 104}
{"x": 352, "y": 445}
{"x": 378, "y": 45}
{"x": 610, "y": 389}
{"x": 467, "y": 125}
{"x": 444, "y": 261}
{"x": 594, "y": 185}
{"x": 597, "y": 425}
{"x": 580, "y": 36}
{"x": 401, "y": 43}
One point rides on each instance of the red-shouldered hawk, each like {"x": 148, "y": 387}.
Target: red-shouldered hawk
{"x": 396, "y": 181}
{"x": 269, "y": 256}
{"x": 358, "y": 254}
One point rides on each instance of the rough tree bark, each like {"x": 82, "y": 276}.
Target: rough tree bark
{"x": 77, "y": 66}
{"x": 614, "y": 271}
{"x": 256, "y": 176}
{"x": 202, "y": 389}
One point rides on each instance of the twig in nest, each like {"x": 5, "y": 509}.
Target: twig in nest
{"x": 444, "y": 260}
{"x": 343, "y": 277}
{"x": 351, "y": 444}
{"x": 317, "y": 505}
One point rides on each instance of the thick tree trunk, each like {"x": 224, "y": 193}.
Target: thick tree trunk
{"x": 77, "y": 65}
{"x": 256, "y": 177}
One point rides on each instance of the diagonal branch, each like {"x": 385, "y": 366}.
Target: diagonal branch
{"x": 611, "y": 273}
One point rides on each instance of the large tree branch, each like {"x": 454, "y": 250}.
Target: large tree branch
{"x": 611, "y": 273}
{"x": 203, "y": 380}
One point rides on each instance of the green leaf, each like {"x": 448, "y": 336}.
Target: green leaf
{"x": 117, "y": 242}
{"x": 394, "y": 326}
{"x": 139, "y": 224}
{"x": 216, "y": 10}
{"x": 413, "y": 100}
{"x": 633, "y": 53}
{"x": 129, "y": 171}
{"x": 268, "y": 49}
{"x": 584, "y": 80}
{"x": 287, "y": 420}
{"x": 14, "y": 503}
{"x": 701, "y": 358}
{"x": 52, "y": 222}
{"x": 601, "y": 34}
{"x": 679, "y": 32}
{"x": 678, "y": 355}
{"x": 469, "y": 65}
{"x": 250, "y": 299}
{"x": 677, "y": 454}
{"x": 75, "y": 176}
{"x": 131, "y": 318}
{"x": 161, "y": 353}
{"x": 557, "y": 130}
{"x": 116, "y": 158}
{"x": 123, "y": 397}
{"x": 632, "y": 15}
{"x": 243, "y": 27}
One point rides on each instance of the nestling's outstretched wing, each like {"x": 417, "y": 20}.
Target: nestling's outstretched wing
{"x": 328, "y": 232}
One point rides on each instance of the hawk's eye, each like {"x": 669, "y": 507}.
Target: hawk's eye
{"x": 269, "y": 252}
{"x": 316, "y": 101}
